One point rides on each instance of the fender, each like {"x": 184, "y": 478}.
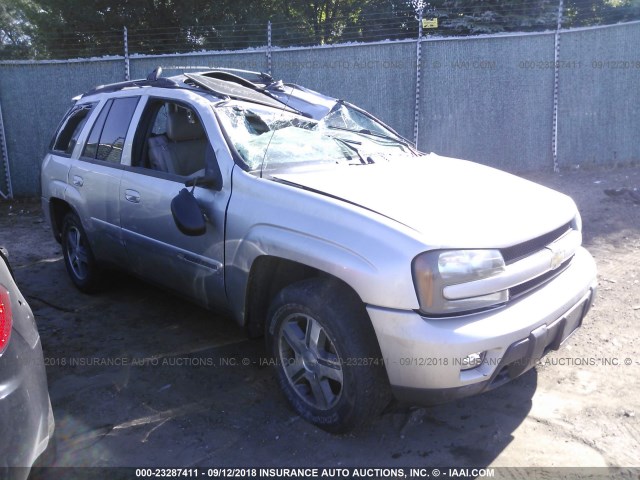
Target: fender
{"x": 75, "y": 201}
{"x": 368, "y": 252}
{"x": 321, "y": 254}
{"x": 54, "y": 176}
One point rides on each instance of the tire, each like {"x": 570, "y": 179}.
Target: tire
{"x": 78, "y": 258}
{"x": 327, "y": 358}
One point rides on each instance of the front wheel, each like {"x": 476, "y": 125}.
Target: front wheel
{"x": 78, "y": 258}
{"x": 328, "y": 361}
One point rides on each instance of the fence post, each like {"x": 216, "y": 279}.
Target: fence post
{"x": 5, "y": 160}
{"x": 269, "y": 47}
{"x": 416, "y": 111}
{"x": 556, "y": 78}
{"x": 126, "y": 56}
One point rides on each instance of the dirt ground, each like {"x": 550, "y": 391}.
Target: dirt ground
{"x": 198, "y": 396}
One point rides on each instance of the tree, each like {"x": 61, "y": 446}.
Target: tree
{"x": 76, "y": 28}
{"x": 460, "y": 17}
{"x": 15, "y": 30}
{"x": 580, "y": 13}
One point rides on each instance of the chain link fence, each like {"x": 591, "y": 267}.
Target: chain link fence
{"x": 520, "y": 101}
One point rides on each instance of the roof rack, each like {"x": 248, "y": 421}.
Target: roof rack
{"x": 114, "y": 87}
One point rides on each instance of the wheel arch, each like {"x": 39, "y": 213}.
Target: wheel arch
{"x": 277, "y": 256}
{"x": 58, "y": 209}
{"x": 268, "y": 276}
{"x": 269, "y": 257}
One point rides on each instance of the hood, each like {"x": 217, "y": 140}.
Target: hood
{"x": 452, "y": 203}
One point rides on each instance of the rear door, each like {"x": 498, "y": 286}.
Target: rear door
{"x": 156, "y": 249}
{"x": 57, "y": 162}
{"x": 94, "y": 179}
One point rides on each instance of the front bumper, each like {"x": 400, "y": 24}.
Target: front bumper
{"x": 424, "y": 356}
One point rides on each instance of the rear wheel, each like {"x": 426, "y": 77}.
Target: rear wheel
{"x": 78, "y": 258}
{"x": 327, "y": 357}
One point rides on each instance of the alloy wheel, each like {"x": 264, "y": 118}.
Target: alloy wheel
{"x": 310, "y": 361}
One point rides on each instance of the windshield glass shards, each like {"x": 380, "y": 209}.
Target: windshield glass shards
{"x": 272, "y": 139}
{"x": 349, "y": 119}
{"x": 267, "y": 138}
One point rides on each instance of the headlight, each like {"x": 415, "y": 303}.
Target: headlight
{"x": 433, "y": 271}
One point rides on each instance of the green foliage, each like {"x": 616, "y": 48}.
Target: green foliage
{"x": 459, "y": 17}
{"x": 77, "y": 28}
{"x": 580, "y": 13}
{"x": 15, "y": 30}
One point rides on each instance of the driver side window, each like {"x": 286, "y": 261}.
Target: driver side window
{"x": 171, "y": 139}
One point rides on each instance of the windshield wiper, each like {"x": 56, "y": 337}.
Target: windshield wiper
{"x": 365, "y": 131}
{"x": 348, "y": 144}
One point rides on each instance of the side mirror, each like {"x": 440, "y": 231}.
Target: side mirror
{"x": 187, "y": 214}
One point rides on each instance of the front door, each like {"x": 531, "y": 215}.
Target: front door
{"x": 170, "y": 147}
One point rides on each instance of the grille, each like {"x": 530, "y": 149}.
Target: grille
{"x": 519, "y": 290}
{"x": 517, "y": 252}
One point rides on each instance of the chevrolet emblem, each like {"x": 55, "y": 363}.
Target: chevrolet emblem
{"x": 557, "y": 257}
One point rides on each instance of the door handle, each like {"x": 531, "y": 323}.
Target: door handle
{"x": 132, "y": 196}
{"x": 78, "y": 181}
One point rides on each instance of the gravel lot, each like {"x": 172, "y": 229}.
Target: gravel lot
{"x": 185, "y": 388}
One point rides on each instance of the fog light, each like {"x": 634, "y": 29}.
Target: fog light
{"x": 473, "y": 360}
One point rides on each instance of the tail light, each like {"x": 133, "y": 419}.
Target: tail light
{"x": 5, "y": 318}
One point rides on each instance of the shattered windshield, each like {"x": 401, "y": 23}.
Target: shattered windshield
{"x": 342, "y": 116}
{"x": 268, "y": 138}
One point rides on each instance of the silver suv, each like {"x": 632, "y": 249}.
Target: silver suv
{"x": 372, "y": 269}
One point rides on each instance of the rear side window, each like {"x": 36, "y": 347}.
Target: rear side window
{"x": 107, "y": 136}
{"x": 69, "y": 130}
